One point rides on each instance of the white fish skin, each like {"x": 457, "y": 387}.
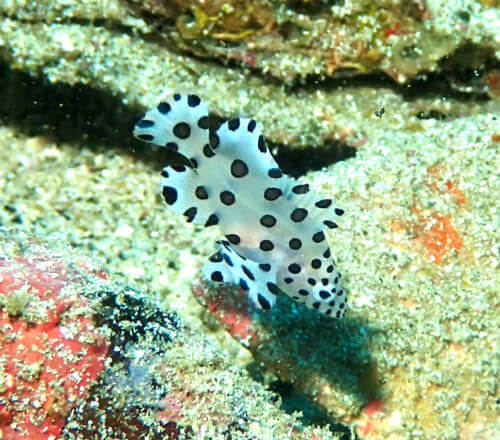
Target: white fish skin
{"x": 273, "y": 225}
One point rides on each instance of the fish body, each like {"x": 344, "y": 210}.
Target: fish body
{"x": 273, "y": 225}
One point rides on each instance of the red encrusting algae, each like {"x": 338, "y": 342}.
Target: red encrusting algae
{"x": 51, "y": 353}
{"x": 436, "y": 234}
{"x": 233, "y": 312}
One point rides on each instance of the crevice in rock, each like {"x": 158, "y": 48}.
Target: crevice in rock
{"x": 437, "y": 85}
{"x": 82, "y": 115}
{"x": 297, "y": 162}
{"x": 76, "y": 114}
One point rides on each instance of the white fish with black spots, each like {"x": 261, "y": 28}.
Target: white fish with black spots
{"x": 273, "y": 225}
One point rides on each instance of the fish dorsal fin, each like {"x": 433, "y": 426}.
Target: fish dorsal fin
{"x": 179, "y": 122}
{"x": 319, "y": 208}
{"x": 242, "y": 138}
{"x": 258, "y": 280}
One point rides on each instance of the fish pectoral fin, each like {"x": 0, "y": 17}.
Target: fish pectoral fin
{"x": 258, "y": 280}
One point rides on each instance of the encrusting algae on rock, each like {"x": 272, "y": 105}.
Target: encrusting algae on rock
{"x": 273, "y": 225}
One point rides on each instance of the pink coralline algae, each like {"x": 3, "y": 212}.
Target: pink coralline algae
{"x": 51, "y": 353}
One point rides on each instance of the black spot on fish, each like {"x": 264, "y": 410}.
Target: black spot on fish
{"x": 294, "y": 268}
{"x": 275, "y": 173}
{"x": 201, "y": 193}
{"x": 207, "y": 151}
{"x": 190, "y": 213}
{"x": 271, "y": 194}
{"x": 233, "y": 238}
{"x": 145, "y": 123}
{"x": 193, "y": 100}
{"x": 301, "y": 189}
{"x": 316, "y": 263}
{"x": 204, "y": 123}
{"x": 212, "y": 220}
{"x": 324, "y": 294}
{"x": 182, "y": 130}
{"x": 217, "y": 276}
{"x": 233, "y": 124}
{"x": 244, "y": 285}
{"x": 266, "y": 267}
{"x": 228, "y": 260}
{"x": 216, "y": 258}
{"x": 169, "y": 194}
{"x": 298, "y": 214}
{"x": 273, "y": 288}
{"x": 266, "y": 245}
{"x": 264, "y": 303}
{"x": 325, "y": 203}
{"x": 247, "y": 272}
{"x": 330, "y": 224}
{"x": 164, "y": 108}
{"x": 268, "y": 220}
{"x": 239, "y": 168}
{"x": 227, "y": 197}
{"x": 318, "y": 237}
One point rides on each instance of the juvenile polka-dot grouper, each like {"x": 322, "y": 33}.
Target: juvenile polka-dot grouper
{"x": 273, "y": 224}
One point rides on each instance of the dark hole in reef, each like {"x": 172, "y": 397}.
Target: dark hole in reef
{"x": 313, "y": 8}
{"x": 298, "y": 161}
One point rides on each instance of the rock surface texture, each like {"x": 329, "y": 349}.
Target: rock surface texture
{"x": 391, "y": 108}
